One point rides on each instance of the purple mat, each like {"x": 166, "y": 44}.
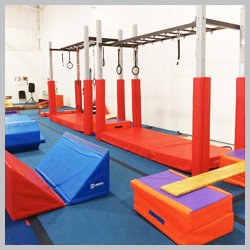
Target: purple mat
{"x": 195, "y": 200}
{"x": 239, "y": 153}
{"x": 114, "y": 120}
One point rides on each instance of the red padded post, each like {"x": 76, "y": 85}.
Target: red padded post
{"x": 120, "y": 99}
{"x": 136, "y": 102}
{"x": 201, "y": 125}
{"x": 78, "y": 95}
{"x": 88, "y": 107}
{"x": 52, "y": 98}
{"x": 100, "y": 107}
{"x": 240, "y": 114}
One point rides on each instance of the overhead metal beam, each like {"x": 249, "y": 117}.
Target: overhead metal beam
{"x": 223, "y": 24}
{"x": 152, "y": 37}
{"x": 158, "y": 33}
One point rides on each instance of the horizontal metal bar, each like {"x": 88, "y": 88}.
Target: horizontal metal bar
{"x": 62, "y": 50}
{"x": 223, "y": 24}
{"x": 91, "y": 38}
{"x": 120, "y": 45}
{"x": 189, "y": 25}
{"x": 152, "y": 37}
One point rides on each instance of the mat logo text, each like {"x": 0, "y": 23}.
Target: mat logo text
{"x": 93, "y": 185}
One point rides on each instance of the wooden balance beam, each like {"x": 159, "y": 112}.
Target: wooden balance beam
{"x": 188, "y": 185}
{"x": 23, "y": 107}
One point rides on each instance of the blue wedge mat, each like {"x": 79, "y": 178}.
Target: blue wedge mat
{"x": 21, "y": 133}
{"x": 76, "y": 169}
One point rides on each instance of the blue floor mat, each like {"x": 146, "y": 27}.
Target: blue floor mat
{"x": 112, "y": 219}
{"x": 18, "y": 233}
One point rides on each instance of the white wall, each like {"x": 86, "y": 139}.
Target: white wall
{"x": 166, "y": 88}
{"x": 22, "y": 63}
{"x": 63, "y": 25}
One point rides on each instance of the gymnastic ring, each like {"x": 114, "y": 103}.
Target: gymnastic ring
{"x": 119, "y": 69}
{"x": 135, "y": 67}
{"x": 94, "y": 81}
{"x": 69, "y": 63}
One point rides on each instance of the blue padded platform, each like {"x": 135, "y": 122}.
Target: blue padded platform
{"x": 77, "y": 170}
{"x": 21, "y": 133}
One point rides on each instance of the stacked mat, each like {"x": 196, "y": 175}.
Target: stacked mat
{"x": 231, "y": 158}
{"x": 191, "y": 219}
{"x": 72, "y": 171}
{"x": 21, "y": 133}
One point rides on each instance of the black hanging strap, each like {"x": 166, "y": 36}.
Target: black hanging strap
{"x": 62, "y": 60}
{"x": 179, "y": 47}
{"x": 119, "y": 67}
{"x": 103, "y": 60}
{"x": 135, "y": 69}
{"x": 69, "y": 64}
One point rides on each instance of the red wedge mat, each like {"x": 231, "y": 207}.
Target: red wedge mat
{"x": 26, "y": 193}
{"x": 169, "y": 150}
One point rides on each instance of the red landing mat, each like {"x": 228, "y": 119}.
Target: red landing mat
{"x": 26, "y": 193}
{"x": 75, "y": 121}
{"x": 169, "y": 150}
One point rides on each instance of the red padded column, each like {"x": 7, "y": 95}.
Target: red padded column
{"x": 52, "y": 98}
{"x": 88, "y": 107}
{"x": 100, "y": 107}
{"x": 201, "y": 125}
{"x": 78, "y": 95}
{"x": 240, "y": 114}
{"x": 136, "y": 102}
{"x": 120, "y": 99}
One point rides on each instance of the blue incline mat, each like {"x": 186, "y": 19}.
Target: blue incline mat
{"x": 21, "y": 133}
{"x": 76, "y": 169}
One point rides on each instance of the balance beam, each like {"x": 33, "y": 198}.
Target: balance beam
{"x": 202, "y": 180}
{"x": 23, "y": 107}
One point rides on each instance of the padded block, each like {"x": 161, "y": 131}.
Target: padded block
{"x": 191, "y": 219}
{"x": 21, "y": 133}
{"x": 75, "y": 169}
{"x": 231, "y": 158}
{"x": 76, "y": 121}
{"x": 26, "y": 193}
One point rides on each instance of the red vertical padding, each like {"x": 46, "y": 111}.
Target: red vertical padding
{"x": 201, "y": 125}
{"x": 52, "y": 98}
{"x": 100, "y": 107}
{"x": 120, "y": 99}
{"x": 78, "y": 95}
{"x": 136, "y": 102}
{"x": 88, "y": 107}
{"x": 240, "y": 114}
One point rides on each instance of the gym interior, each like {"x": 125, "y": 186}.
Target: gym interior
{"x": 124, "y": 125}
